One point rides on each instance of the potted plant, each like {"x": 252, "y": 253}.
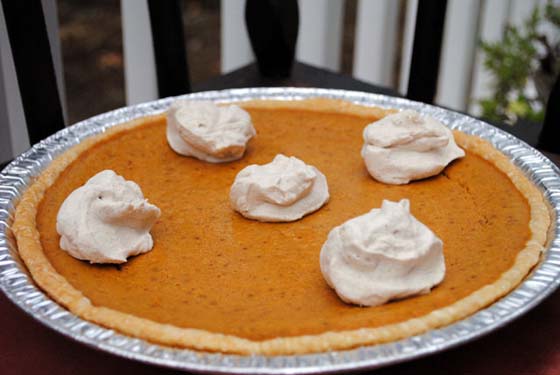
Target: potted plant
{"x": 525, "y": 56}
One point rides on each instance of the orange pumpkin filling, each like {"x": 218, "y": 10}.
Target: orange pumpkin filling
{"x": 214, "y": 270}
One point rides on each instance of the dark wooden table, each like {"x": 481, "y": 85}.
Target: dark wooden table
{"x": 530, "y": 345}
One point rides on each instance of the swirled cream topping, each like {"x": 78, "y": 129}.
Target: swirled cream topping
{"x": 106, "y": 220}
{"x": 406, "y": 146}
{"x": 383, "y": 255}
{"x": 285, "y": 189}
{"x": 208, "y": 132}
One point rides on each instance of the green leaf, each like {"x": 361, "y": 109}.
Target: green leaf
{"x": 513, "y": 62}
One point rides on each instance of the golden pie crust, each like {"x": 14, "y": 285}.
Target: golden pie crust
{"x": 31, "y": 251}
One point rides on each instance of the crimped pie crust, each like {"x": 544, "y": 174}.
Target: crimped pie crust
{"x": 44, "y": 274}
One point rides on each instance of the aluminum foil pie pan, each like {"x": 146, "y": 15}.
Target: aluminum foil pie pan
{"x": 19, "y": 287}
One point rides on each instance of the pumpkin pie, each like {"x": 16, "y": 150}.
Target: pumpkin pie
{"x": 216, "y": 281}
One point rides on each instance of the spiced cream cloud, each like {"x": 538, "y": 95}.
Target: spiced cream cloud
{"x": 383, "y": 255}
{"x": 405, "y": 146}
{"x": 285, "y": 189}
{"x": 207, "y": 131}
{"x": 106, "y": 220}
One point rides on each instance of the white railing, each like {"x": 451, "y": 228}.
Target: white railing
{"x": 458, "y": 48}
{"x": 138, "y": 52}
{"x": 377, "y": 46}
{"x": 376, "y": 41}
{"x": 382, "y": 49}
{"x": 236, "y": 48}
{"x": 320, "y": 42}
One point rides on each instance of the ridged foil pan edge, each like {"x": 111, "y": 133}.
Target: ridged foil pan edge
{"x": 18, "y": 286}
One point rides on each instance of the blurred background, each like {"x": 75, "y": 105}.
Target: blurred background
{"x": 85, "y": 48}
{"x": 98, "y": 51}
{"x": 498, "y": 60}
{"x": 92, "y": 51}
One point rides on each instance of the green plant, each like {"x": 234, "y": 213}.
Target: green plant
{"x": 523, "y": 54}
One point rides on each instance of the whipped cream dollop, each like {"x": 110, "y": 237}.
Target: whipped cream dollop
{"x": 208, "y": 132}
{"x": 406, "y": 146}
{"x": 285, "y": 189}
{"x": 383, "y": 255}
{"x": 106, "y": 220}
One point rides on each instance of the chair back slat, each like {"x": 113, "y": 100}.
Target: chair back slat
{"x": 424, "y": 65}
{"x": 35, "y": 71}
{"x": 169, "y": 47}
{"x": 273, "y": 29}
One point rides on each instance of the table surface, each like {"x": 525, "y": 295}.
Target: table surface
{"x": 529, "y": 345}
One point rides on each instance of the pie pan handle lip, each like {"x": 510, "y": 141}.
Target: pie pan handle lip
{"x": 20, "y": 289}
